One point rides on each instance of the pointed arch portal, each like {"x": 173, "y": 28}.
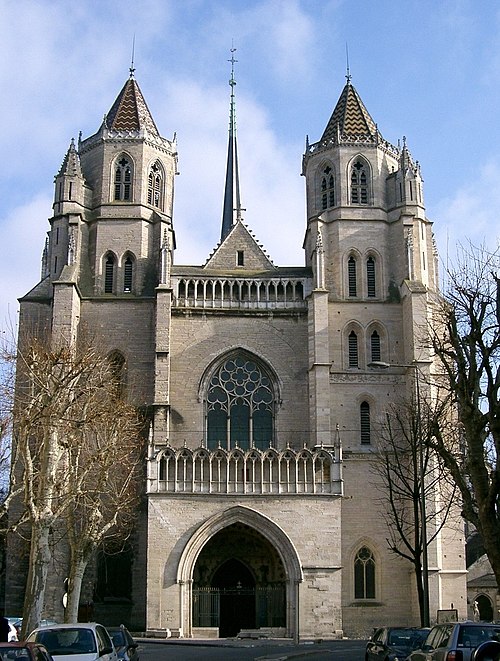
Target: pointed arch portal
{"x": 239, "y": 571}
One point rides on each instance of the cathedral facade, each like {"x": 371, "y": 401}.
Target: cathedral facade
{"x": 261, "y": 509}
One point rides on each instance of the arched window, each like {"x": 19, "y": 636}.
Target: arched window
{"x": 327, "y": 188}
{"x": 155, "y": 185}
{"x": 364, "y": 574}
{"x": 109, "y": 274}
{"x": 359, "y": 183}
{"x": 375, "y": 347}
{"x": 123, "y": 179}
{"x": 364, "y": 418}
{"x": 351, "y": 277}
{"x": 240, "y": 405}
{"x": 353, "y": 349}
{"x": 370, "y": 277}
{"x": 128, "y": 274}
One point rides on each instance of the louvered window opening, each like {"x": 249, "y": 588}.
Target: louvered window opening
{"x": 353, "y": 349}
{"x": 351, "y": 276}
{"x": 364, "y": 413}
{"x": 109, "y": 272}
{"x": 370, "y": 277}
{"x": 327, "y": 190}
{"x": 375, "y": 347}
{"x": 127, "y": 275}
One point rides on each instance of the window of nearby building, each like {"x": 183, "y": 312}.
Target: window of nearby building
{"x": 359, "y": 183}
{"x": 327, "y": 188}
{"x": 353, "y": 349}
{"x": 240, "y": 404}
{"x": 351, "y": 277}
{"x": 109, "y": 274}
{"x": 375, "y": 346}
{"x": 155, "y": 185}
{"x": 364, "y": 574}
{"x": 123, "y": 179}
{"x": 128, "y": 272}
{"x": 364, "y": 415}
{"x": 240, "y": 258}
{"x": 370, "y": 277}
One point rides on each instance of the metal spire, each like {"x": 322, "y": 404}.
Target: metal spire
{"x": 132, "y": 68}
{"x": 232, "y": 204}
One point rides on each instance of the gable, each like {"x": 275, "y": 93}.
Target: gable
{"x": 239, "y": 251}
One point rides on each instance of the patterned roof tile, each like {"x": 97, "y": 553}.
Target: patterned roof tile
{"x": 350, "y": 117}
{"x": 130, "y": 111}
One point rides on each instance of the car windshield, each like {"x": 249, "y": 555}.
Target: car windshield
{"x": 67, "y": 640}
{"x": 17, "y": 653}
{"x": 474, "y": 635}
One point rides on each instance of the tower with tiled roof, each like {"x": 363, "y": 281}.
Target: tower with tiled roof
{"x": 257, "y": 381}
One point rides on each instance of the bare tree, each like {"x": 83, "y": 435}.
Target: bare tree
{"x": 105, "y": 468}
{"x": 64, "y": 415}
{"x": 467, "y": 346}
{"x": 415, "y": 494}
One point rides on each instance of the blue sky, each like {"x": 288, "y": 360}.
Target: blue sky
{"x": 426, "y": 69}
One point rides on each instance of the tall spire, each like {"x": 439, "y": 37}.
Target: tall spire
{"x": 232, "y": 205}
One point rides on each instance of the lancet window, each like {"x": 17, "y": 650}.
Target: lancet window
{"x": 370, "y": 277}
{"x": 327, "y": 188}
{"x": 364, "y": 574}
{"x": 240, "y": 404}
{"x": 353, "y": 350}
{"x": 123, "y": 179}
{"x": 364, "y": 415}
{"x": 359, "y": 183}
{"x": 128, "y": 274}
{"x": 155, "y": 185}
{"x": 109, "y": 274}
{"x": 352, "y": 277}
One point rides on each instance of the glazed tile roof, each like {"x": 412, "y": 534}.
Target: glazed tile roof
{"x": 350, "y": 117}
{"x": 130, "y": 111}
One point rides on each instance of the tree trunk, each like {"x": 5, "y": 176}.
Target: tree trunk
{"x": 76, "y": 572}
{"x": 37, "y": 577}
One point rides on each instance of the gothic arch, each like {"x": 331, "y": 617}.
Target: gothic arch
{"x": 122, "y": 178}
{"x": 239, "y": 514}
{"x": 354, "y": 353}
{"x": 326, "y": 193}
{"x": 352, "y": 272}
{"x": 365, "y": 543}
{"x": 372, "y": 274}
{"x": 240, "y": 393}
{"x": 156, "y": 184}
{"x": 109, "y": 262}
{"x": 128, "y": 264}
{"x": 371, "y": 349}
{"x": 359, "y": 181}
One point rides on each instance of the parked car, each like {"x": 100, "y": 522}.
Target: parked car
{"x": 488, "y": 651}
{"x": 455, "y": 641}
{"x": 18, "y": 623}
{"x": 394, "y": 643}
{"x": 23, "y": 652}
{"x": 76, "y": 642}
{"x": 125, "y": 645}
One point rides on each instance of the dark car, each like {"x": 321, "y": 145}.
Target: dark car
{"x": 455, "y": 641}
{"x": 125, "y": 645}
{"x": 394, "y": 643}
{"x": 23, "y": 652}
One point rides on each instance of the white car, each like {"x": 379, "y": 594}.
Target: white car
{"x": 87, "y": 641}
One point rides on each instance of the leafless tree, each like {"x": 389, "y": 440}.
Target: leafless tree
{"x": 465, "y": 337}
{"x": 70, "y": 430}
{"x": 412, "y": 485}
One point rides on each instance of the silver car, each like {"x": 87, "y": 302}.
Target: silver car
{"x": 455, "y": 641}
{"x": 76, "y": 642}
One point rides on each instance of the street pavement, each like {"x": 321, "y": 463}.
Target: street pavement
{"x": 233, "y": 649}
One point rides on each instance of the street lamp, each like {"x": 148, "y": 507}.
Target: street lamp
{"x": 378, "y": 364}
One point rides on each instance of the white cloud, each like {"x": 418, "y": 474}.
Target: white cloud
{"x": 471, "y": 213}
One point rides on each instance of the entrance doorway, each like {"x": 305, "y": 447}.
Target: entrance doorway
{"x": 236, "y": 587}
{"x": 239, "y": 583}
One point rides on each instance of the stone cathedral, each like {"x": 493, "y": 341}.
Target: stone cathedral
{"x": 261, "y": 509}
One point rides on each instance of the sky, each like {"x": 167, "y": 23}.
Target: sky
{"x": 425, "y": 69}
